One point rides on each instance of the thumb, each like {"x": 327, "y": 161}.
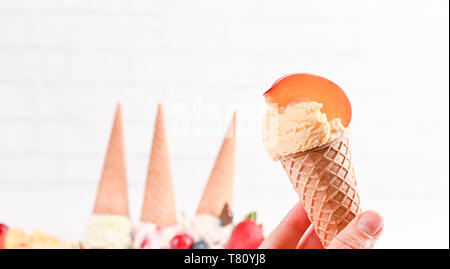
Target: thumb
{"x": 361, "y": 233}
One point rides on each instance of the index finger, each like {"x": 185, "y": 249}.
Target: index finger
{"x": 288, "y": 233}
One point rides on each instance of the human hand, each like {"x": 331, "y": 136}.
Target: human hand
{"x": 292, "y": 232}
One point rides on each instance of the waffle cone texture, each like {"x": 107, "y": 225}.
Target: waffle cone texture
{"x": 324, "y": 180}
{"x": 112, "y": 193}
{"x": 159, "y": 199}
{"x": 219, "y": 189}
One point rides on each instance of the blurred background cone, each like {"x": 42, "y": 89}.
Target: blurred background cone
{"x": 159, "y": 200}
{"x": 325, "y": 181}
{"x": 112, "y": 193}
{"x": 219, "y": 189}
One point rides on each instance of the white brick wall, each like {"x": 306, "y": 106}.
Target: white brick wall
{"x": 65, "y": 63}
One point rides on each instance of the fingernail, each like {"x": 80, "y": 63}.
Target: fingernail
{"x": 370, "y": 223}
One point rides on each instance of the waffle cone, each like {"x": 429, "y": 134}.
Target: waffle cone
{"x": 112, "y": 193}
{"x": 219, "y": 189}
{"x": 324, "y": 179}
{"x": 159, "y": 199}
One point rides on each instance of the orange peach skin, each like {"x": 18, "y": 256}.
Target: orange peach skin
{"x": 298, "y": 88}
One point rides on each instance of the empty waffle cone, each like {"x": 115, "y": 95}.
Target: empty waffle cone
{"x": 325, "y": 182}
{"x": 159, "y": 199}
{"x": 112, "y": 193}
{"x": 219, "y": 189}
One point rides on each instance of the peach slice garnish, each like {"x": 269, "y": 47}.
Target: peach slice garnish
{"x": 296, "y": 88}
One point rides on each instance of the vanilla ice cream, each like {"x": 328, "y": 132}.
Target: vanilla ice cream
{"x": 202, "y": 227}
{"x": 208, "y": 228}
{"x": 109, "y": 231}
{"x": 151, "y": 236}
{"x": 298, "y": 127}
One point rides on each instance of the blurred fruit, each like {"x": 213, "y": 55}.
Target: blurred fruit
{"x": 3, "y": 232}
{"x": 247, "y": 235}
{"x": 42, "y": 240}
{"x": 145, "y": 243}
{"x": 16, "y": 238}
{"x": 181, "y": 241}
{"x": 200, "y": 245}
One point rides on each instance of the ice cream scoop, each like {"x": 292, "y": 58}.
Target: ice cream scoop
{"x": 109, "y": 231}
{"x": 151, "y": 236}
{"x": 298, "y": 127}
{"x": 305, "y": 111}
{"x": 209, "y": 229}
{"x": 305, "y": 128}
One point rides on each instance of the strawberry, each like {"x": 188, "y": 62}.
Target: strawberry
{"x": 247, "y": 235}
{"x": 3, "y": 231}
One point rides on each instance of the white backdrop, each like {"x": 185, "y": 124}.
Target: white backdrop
{"x": 65, "y": 64}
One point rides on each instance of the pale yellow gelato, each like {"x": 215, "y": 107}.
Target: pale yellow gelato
{"x": 298, "y": 127}
{"x": 109, "y": 231}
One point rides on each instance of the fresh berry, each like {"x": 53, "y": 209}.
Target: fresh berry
{"x": 181, "y": 241}
{"x": 200, "y": 245}
{"x": 3, "y": 231}
{"x": 247, "y": 235}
